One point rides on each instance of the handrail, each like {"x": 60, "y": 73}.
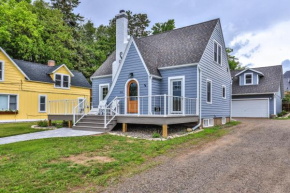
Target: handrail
{"x": 82, "y": 114}
{"x": 112, "y": 111}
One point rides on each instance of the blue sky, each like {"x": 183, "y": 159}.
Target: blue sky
{"x": 258, "y": 30}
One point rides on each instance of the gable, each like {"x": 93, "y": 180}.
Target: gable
{"x": 172, "y": 48}
{"x": 11, "y": 69}
{"x": 60, "y": 70}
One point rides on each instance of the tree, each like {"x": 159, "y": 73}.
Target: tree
{"x": 67, "y": 7}
{"x": 163, "y": 27}
{"x": 233, "y": 61}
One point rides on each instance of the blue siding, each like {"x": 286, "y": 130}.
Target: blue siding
{"x": 95, "y": 88}
{"x": 219, "y": 75}
{"x": 255, "y": 78}
{"x": 132, "y": 64}
{"x": 267, "y": 96}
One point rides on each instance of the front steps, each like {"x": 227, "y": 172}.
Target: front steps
{"x": 95, "y": 123}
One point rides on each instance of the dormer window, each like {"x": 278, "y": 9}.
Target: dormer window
{"x": 248, "y": 78}
{"x": 1, "y": 71}
{"x": 217, "y": 53}
{"x": 61, "y": 81}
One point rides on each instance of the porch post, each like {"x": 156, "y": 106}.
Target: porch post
{"x": 125, "y": 127}
{"x": 70, "y": 124}
{"x": 165, "y": 105}
{"x": 49, "y": 122}
{"x": 164, "y": 130}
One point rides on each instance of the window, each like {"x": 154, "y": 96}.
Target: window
{"x": 42, "y": 103}
{"x": 209, "y": 91}
{"x": 8, "y": 102}
{"x": 1, "y": 71}
{"x": 61, "y": 81}
{"x": 103, "y": 91}
{"x": 217, "y": 53}
{"x": 208, "y": 123}
{"x": 224, "y": 92}
{"x": 224, "y": 120}
{"x": 248, "y": 78}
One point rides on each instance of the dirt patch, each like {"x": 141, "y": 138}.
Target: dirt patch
{"x": 84, "y": 159}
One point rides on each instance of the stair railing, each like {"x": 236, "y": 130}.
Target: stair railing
{"x": 111, "y": 109}
{"x": 80, "y": 111}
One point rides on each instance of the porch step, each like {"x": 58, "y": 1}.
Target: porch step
{"x": 95, "y": 123}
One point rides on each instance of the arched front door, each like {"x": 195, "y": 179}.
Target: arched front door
{"x": 132, "y": 100}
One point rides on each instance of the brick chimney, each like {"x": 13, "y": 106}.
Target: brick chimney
{"x": 51, "y": 63}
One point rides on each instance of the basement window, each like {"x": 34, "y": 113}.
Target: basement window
{"x": 208, "y": 122}
{"x": 224, "y": 120}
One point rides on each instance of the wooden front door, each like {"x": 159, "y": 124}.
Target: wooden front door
{"x": 132, "y": 100}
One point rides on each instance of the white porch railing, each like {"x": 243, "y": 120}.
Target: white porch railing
{"x": 161, "y": 105}
{"x": 62, "y": 107}
{"x": 80, "y": 111}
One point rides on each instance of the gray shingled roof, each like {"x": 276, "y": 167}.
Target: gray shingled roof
{"x": 176, "y": 47}
{"x": 40, "y": 72}
{"x": 269, "y": 83}
{"x": 286, "y": 81}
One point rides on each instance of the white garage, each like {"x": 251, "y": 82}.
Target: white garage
{"x": 250, "y": 108}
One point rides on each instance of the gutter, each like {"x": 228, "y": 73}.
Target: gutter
{"x": 199, "y": 123}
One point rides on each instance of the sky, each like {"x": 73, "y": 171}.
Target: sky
{"x": 257, "y": 30}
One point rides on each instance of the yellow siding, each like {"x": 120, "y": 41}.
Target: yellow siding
{"x": 62, "y": 70}
{"x": 28, "y": 92}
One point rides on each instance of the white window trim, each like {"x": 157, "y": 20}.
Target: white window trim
{"x": 100, "y": 90}
{"x": 42, "y": 95}
{"x": 207, "y": 80}
{"x": 169, "y": 91}
{"x": 62, "y": 75}
{"x": 17, "y": 98}
{"x": 3, "y": 71}
{"x": 208, "y": 122}
{"x": 224, "y": 87}
{"x": 218, "y": 52}
{"x": 252, "y": 79}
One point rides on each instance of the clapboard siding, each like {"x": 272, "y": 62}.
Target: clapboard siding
{"x": 132, "y": 64}
{"x": 219, "y": 75}
{"x": 242, "y": 78}
{"x": 95, "y": 88}
{"x": 267, "y": 96}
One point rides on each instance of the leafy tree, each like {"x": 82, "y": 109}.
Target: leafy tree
{"x": 67, "y": 7}
{"x": 287, "y": 97}
{"x": 163, "y": 27}
{"x": 20, "y": 34}
{"x": 233, "y": 61}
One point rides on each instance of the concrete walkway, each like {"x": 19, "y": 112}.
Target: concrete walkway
{"x": 63, "y": 132}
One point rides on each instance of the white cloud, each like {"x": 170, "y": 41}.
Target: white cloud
{"x": 264, "y": 48}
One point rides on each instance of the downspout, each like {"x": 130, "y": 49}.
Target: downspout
{"x": 199, "y": 123}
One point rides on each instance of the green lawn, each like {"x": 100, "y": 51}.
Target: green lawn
{"x": 42, "y": 165}
{"x": 10, "y": 129}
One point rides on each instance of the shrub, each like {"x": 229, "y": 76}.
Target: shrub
{"x": 42, "y": 123}
{"x": 282, "y": 113}
{"x": 156, "y": 135}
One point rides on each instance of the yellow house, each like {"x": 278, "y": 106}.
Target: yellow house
{"x": 30, "y": 91}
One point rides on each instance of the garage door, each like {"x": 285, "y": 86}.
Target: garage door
{"x": 250, "y": 108}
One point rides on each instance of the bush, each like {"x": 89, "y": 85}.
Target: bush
{"x": 42, "y": 123}
{"x": 282, "y": 113}
{"x": 156, "y": 135}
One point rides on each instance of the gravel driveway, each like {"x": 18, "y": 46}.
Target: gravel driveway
{"x": 255, "y": 157}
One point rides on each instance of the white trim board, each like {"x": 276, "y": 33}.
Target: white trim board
{"x": 103, "y": 76}
{"x": 178, "y": 66}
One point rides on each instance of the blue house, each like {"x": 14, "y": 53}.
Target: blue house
{"x": 179, "y": 76}
{"x": 257, "y": 92}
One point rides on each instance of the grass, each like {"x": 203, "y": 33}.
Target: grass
{"x": 39, "y": 165}
{"x": 10, "y": 129}
{"x": 282, "y": 118}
